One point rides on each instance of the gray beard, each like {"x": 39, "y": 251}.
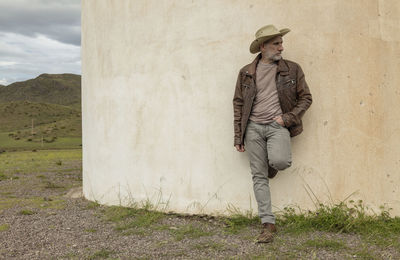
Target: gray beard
{"x": 276, "y": 57}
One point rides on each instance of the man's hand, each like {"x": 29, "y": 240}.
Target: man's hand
{"x": 279, "y": 120}
{"x": 240, "y": 148}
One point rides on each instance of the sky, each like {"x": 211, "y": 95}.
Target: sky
{"x": 39, "y": 36}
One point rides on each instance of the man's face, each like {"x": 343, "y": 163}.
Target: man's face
{"x": 272, "y": 49}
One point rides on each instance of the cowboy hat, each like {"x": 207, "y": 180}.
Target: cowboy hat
{"x": 265, "y": 33}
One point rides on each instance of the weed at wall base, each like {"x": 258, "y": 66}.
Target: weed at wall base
{"x": 343, "y": 218}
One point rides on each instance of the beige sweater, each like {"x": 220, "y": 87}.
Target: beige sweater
{"x": 266, "y": 102}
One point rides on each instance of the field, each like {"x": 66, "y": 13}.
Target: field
{"x": 36, "y": 126}
{"x": 44, "y": 216}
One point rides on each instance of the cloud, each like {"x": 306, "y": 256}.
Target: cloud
{"x": 58, "y": 20}
{"x": 31, "y": 56}
{"x": 7, "y": 63}
{"x": 4, "y": 82}
{"x": 39, "y": 36}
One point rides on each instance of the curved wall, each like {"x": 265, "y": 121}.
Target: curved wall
{"x": 158, "y": 81}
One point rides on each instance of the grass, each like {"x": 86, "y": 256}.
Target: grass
{"x": 133, "y": 220}
{"x": 28, "y": 162}
{"x": 3, "y": 177}
{"x": 364, "y": 253}
{"x": 210, "y": 245}
{"x": 34, "y": 202}
{"x": 352, "y": 218}
{"x": 4, "y": 227}
{"x": 235, "y": 223}
{"x": 142, "y": 221}
{"x": 302, "y": 234}
{"x": 103, "y": 253}
{"x": 341, "y": 218}
{"x": 239, "y": 220}
{"x": 10, "y": 144}
{"x": 16, "y": 118}
{"x": 51, "y": 185}
{"x": 325, "y": 244}
{"x": 93, "y": 205}
{"x": 189, "y": 231}
{"x": 26, "y": 212}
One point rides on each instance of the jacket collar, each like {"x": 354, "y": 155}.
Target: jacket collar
{"x": 283, "y": 68}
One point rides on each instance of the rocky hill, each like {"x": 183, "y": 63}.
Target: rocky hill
{"x": 62, "y": 89}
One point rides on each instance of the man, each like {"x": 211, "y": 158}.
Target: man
{"x": 271, "y": 96}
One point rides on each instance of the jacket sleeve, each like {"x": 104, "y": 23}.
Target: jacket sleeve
{"x": 237, "y": 111}
{"x": 304, "y": 100}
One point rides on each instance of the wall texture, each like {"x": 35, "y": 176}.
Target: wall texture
{"x": 158, "y": 81}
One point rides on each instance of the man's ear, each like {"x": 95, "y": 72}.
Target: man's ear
{"x": 262, "y": 47}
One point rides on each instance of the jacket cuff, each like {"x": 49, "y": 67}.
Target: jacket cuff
{"x": 287, "y": 120}
{"x": 236, "y": 142}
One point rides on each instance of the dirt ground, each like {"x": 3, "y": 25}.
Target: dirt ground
{"x": 44, "y": 216}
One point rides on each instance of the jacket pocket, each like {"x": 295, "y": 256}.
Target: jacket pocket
{"x": 289, "y": 83}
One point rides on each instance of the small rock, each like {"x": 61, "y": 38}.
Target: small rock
{"x": 173, "y": 228}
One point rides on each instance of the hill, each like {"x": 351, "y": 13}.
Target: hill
{"x": 27, "y": 125}
{"x": 62, "y": 89}
{"x": 20, "y": 114}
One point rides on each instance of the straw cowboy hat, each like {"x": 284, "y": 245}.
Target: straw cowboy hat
{"x": 265, "y": 33}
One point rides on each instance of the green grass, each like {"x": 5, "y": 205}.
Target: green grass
{"x": 364, "y": 253}
{"x": 354, "y": 218}
{"x": 18, "y": 115}
{"x": 103, "y": 253}
{"x": 34, "y": 202}
{"x": 341, "y": 217}
{"x": 3, "y": 177}
{"x": 133, "y": 220}
{"x": 51, "y": 185}
{"x": 143, "y": 220}
{"x": 239, "y": 220}
{"x": 325, "y": 244}
{"x": 118, "y": 213}
{"x": 189, "y": 231}
{"x": 27, "y": 212}
{"x": 10, "y": 144}
{"x": 4, "y": 227}
{"x": 27, "y": 162}
{"x": 92, "y": 205}
{"x": 235, "y": 223}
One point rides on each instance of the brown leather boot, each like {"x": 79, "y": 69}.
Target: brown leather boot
{"x": 267, "y": 233}
{"x": 272, "y": 172}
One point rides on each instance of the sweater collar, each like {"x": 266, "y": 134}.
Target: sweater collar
{"x": 282, "y": 66}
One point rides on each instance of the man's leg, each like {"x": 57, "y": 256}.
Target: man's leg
{"x": 256, "y": 146}
{"x": 278, "y": 147}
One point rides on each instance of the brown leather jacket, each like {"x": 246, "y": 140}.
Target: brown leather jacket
{"x": 294, "y": 96}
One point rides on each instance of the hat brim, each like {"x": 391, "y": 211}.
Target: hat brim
{"x": 255, "y": 45}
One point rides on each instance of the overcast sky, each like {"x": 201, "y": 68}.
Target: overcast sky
{"x": 39, "y": 36}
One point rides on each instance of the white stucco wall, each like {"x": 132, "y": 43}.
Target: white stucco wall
{"x": 158, "y": 81}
